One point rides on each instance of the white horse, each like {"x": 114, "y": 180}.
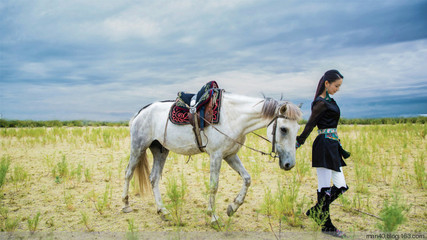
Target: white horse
{"x": 240, "y": 115}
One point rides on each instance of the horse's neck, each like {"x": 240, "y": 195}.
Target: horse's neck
{"x": 247, "y": 112}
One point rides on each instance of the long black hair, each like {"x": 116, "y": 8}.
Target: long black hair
{"x": 330, "y": 76}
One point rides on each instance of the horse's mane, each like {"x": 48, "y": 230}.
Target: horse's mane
{"x": 271, "y": 106}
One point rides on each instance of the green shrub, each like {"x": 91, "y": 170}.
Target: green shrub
{"x": 176, "y": 194}
{"x": 392, "y": 214}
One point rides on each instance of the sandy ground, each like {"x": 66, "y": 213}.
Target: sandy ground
{"x": 62, "y": 201}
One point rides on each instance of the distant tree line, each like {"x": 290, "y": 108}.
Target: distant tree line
{"x": 378, "y": 121}
{"x": 84, "y": 123}
{"x": 56, "y": 123}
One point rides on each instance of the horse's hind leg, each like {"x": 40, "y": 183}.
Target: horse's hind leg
{"x": 133, "y": 161}
{"x": 237, "y": 165}
{"x": 159, "y": 158}
{"x": 138, "y": 155}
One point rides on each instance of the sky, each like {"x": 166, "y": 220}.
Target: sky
{"x": 104, "y": 60}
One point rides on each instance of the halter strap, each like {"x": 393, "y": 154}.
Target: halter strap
{"x": 273, "y": 144}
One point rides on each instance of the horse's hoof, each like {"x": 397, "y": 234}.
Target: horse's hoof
{"x": 215, "y": 221}
{"x": 217, "y": 224}
{"x": 164, "y": 214}
{"x": 166, "y": 217}
{"x": 127, "y": 209}
{"x": 230, "y": 211}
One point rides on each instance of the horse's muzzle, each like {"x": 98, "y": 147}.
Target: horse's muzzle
{"x": 286, "y": 162}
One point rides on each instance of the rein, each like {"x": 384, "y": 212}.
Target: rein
{"x": 273, "y": 152}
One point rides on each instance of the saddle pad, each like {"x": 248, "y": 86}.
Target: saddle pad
{"x": 179, "y": 115}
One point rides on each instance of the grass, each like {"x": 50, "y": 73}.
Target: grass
{"x": 420, "y": 171}
{"x": 103, "y": 202}
{"x": 69, "y": 200}
{"x": 283, "y": 205}
{"x": 85, "y": 221}
{"x": 393, "y": 214}
{"x": 176, "y": 193}
{"x": 132, "y": 229}
{"x": 19, "y": 176}
{"x": 32, "y": 223}
{"x": 87, "y": 159}
{"x": 60, "y": 170}
{"x": 11, "y": 224}
{"x": 4, "y": 167}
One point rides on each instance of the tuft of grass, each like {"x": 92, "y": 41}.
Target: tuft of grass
{"x": 77, "y": 172}
{"x": 268, "y": 208}
{"x": 283, "y": 205}
{"x": 131, "y": 234}
{"x": 88, "y": 175}
{"x": 420, "y": 172}
{"x": 33, "y": 222}
{"x": 10, "y": 224}
{"x": 60, "y": 170}
{"x": 4, "y": 167}
{"x": 101, "y": 204}
{"x": 4, "y": 212}
{"x": 85, "y": 221}
{"x": 392, "y": 214}
{"x": 68, "y": 199}
{"x": 19, "y": 175}
{"x": 176, "y": 193}
{"x": 62, "y": 167}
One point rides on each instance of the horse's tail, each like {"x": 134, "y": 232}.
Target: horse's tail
{"x": 142, "y": 173}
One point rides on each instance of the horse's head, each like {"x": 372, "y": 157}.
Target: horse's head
{"x": 283, "y": 131}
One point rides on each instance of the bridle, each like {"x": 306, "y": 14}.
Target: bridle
{"x": 273, "y": 153}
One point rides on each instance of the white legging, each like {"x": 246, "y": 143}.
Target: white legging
{"x": 324, "y": 176}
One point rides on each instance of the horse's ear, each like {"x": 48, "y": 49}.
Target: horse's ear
{"x": 282, "y": 109}
{"x": 300, "y": 105}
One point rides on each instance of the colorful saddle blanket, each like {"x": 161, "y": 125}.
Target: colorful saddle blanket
{"x": 208, "y": 100}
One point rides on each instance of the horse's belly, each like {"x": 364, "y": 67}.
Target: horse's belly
{"x": 183, "y": 149}
{"x": 181, "y": 140}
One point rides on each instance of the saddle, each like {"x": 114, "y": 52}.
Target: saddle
{"x": 199, "y": 109}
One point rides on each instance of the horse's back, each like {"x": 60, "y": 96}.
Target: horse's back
{"x": 151, "y": 116}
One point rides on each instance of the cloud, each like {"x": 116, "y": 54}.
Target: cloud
{"x": 98, "y": 60}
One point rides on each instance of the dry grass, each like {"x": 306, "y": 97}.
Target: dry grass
{"x": 74, "y": 178}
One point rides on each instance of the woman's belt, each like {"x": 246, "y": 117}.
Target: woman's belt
{"x": 332, "y": 133}
{"x": 327, "y": 130}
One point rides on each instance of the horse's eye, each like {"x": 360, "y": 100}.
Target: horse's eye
{"x": 284, "y": 130}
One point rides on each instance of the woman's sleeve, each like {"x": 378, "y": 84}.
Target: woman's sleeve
{"x": 318, "y": 108}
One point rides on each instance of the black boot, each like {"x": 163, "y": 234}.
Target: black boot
{"x": 336, "y": 192}
{"x": 316, "y": 209}
{"x": 328, "y": 227}
{"x": 320, "y": 211}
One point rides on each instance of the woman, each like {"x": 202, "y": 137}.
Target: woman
{"x": 327, "y": 155}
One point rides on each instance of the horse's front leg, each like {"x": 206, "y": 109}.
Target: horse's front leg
{"x": 215, "y": 167}
{"x": 237, "y": 165}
